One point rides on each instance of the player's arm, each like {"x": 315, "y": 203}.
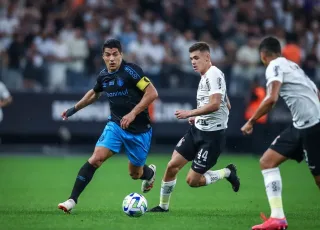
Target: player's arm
{"x": 150, "y": 94}
{"x": 228, "y": 102}
{"x": 90, "y": 97}
{"x": 274, "y": 76}
{"x": 212, "y": 106}
{"x": 268, "y": 102}
{"x": 5, "y": 102}
{"x": 216, "y": 85}
{"x": 5, "y": 96}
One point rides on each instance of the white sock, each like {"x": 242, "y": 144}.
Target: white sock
{"x": 214, "y": 176}
{"x": 273, "y": 183}
{"x": 165, "y": 193}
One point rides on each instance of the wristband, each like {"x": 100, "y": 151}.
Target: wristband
{"x": 71, "y": 111}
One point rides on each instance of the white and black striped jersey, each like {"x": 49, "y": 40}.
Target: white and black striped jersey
{"x": 212, "y": 82}
{"x": 297, "y": 90}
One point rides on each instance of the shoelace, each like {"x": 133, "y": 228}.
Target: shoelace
{"x": 263, "y": 217}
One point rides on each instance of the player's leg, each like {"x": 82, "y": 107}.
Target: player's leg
{"x": 137, "y": 147}
{"x": 310, "y": 138}
{"x": 269, "y": 163}
{"x": 169, "y": 181}
{"x": 317, "y": 180}
{"x": 212, "y": 144}
{"x": 196, "y": 179}
{"x": 183, "y": 153}
{"x": 108, "y": 143}
{"x": 287, "y": 145}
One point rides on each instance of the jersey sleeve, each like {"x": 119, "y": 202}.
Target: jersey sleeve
{"x": 4, "y": 92}
{"x": 98, "y": 86}
{"x": 215, "y": 82}
{"x": 138, "y": 77}
{"x": 274, "y": 73}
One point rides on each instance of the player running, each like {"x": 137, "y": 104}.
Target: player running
{"x": 302, "y": 97}
{"x": 205, "y": 140}
{"x": 130, "y": 93}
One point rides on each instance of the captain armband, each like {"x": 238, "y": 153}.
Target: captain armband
{"x": 143, "y": 83}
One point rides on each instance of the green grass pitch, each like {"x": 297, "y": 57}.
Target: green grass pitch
{"x": 31, "y": 188}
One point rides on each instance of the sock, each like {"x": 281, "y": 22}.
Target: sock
{"x": 214, "y": 176}
{"x": 84, "y": 177}
{"x": 147, "y": 173}
{"x": 165, "y": 193}
{"x": 273, "y": 183}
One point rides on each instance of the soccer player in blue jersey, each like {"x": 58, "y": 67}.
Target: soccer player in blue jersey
{"x": 130, "y": 93}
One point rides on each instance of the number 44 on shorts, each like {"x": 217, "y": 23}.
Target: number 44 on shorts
{"x": 202, "y": 155}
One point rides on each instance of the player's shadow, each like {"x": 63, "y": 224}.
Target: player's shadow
{"x": 52, "y": 212}
{"x": 204, "y": 213}
{"x": 26, "y": 212}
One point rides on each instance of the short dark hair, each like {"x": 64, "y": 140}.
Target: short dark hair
{"x": 270, "y": 45}
{"x": 201, "y": 46}
{"x": 112, "y": 43}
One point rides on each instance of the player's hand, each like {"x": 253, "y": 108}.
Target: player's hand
{"x": 64, "y": 115}
{"x": 191, "y": 120}
{"x": 126, "y": 120}
{"x": 182, "y": 114}
{"x": 68, "y": 113}
{"x": 247, "y": 128}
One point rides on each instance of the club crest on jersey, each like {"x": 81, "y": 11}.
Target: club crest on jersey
{"x": 120, "y": 82}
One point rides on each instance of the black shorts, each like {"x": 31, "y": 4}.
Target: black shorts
{"x": 201, "y": 147}
{"x": 298, "y": 144}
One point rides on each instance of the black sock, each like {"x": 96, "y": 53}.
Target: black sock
{"x": 84, "y": 177}
{"x": 147, "y": 173}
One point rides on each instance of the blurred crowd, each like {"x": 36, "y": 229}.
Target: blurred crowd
{"x": 55, "y": 45}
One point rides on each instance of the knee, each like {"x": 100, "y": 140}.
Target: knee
{"x": 267, "y": 163}
{"x": 135, "y": 175}
{"x": 97, "y": 159}
{"x": 192, "y": 182}
{"x": 172, "y": 169}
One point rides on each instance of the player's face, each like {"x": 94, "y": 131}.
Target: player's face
{"x": 200, "y": 61}
{"x": 112, "y": 57}
{"x": 263, "y": 58}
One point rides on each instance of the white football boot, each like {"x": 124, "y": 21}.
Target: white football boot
{"x": 147, "y": 185}
{"x": 67, "y": 206}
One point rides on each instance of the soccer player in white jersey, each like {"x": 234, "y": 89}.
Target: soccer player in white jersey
{"x": 5, "y": 98}
{"x": 205, "y": 140}
{"x": 285, "y": 78}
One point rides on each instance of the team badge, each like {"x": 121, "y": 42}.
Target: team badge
{"x": 120, "y": 82}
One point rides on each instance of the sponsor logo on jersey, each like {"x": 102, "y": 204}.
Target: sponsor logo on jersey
{"x": 119, "y": 93}
{"x": 131, "y": 72}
